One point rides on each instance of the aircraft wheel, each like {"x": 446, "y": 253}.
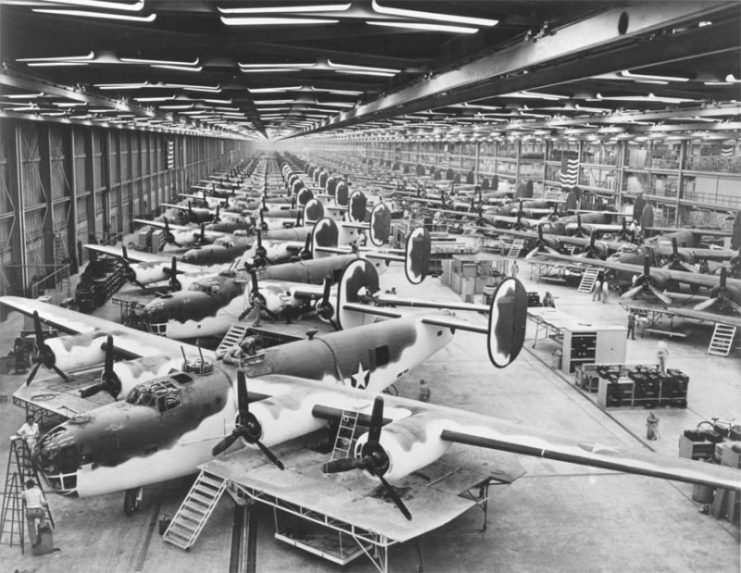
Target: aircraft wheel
{"x": 132, "y": 501}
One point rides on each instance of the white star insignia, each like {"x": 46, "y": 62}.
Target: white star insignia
{"x": 361, "y": 378}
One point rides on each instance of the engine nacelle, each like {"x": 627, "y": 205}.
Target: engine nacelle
{"x": 130, "y": 373}
{"x": 410, "y": 444}
{"x": 285, "y": 417}
{"x": 146, "y": 273}
{"x": 77, "y": 351}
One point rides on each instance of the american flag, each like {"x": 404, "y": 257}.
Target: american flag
{"x": 569, "y": 172}
{"x": 727, "y": 151}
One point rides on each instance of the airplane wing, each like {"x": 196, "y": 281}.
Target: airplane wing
{"x": 62, "y": 397}
{"x": 418, "y": 429}
{"x": 161, "y": 225}
{"x": 701, "y": 315}
{"x": 144, "y": 257}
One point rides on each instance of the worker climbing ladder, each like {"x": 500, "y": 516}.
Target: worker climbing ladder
{"x": 588, "y": 279}
{"x": 20, "y": 468}
{"x": 195, "y": 510}
{"x": 722, "y": 340}
{"x": 345, "y": 438}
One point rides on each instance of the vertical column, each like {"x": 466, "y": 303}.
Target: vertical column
{"x": 72, "y": 228}
{"x": 90, "y": 184}
{"x": 45, "y": 175}
{"x": 620, "y": 173}
{"x": 107, "y": 179}
{"x": 680, "y": 180}
{"x": 18, "y": 233}
{"x": 476, "y": 156}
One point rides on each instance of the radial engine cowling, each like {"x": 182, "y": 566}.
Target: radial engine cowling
{"x": 70, "y": 353}
{"x": 410, "y": 444}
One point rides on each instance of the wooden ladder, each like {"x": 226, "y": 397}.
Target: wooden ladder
{"x": 195, "y": 510}
{"x": 588, "y": 279}
{"x": 515, "y": 248}
{"x": 345, "y": 439}
{"x": 20, "y": 468}
{"x": 233, "y": 337}
{"x": 722, "y": 340}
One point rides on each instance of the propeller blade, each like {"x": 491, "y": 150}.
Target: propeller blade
{"x": 33, "y": 373}
{"x": 395, "y": 497}
{"x": 223, "y": 444}
{"x": 174, "y": 282}
{"x": 376, "y": 421}
{"x": 38, "y": 329}
{"x": 243, "y": 399}
{"x": 342, "y": 465}
{"x": 532, "y": 253}
{"x": 245, "y": 312}
{"x": 108, "y": 369}
{"x": 270, "y": 455}
{"x": 327, "y": 288}
{"x": 631, "y": 293}
{"x": 706, "y": 304}
{"x": 124, "y": 254}
{"x": 660, "y": 295}
{"x": 61, "y": 374}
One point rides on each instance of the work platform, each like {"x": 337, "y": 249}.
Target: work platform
{"x": 350, "y": 510}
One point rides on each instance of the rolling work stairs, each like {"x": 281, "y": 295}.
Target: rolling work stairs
{"x": 193, "y": 513}
{"x": 345, "y": 439}
{"x": 516, "y": 248}
{"x": 233, "y": 337}
{"x": 20, "y": 468}
{"x": 588, "y": 279}
{"x": 722, "y": 340}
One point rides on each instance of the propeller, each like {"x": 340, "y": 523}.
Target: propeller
{"x": 646, "y": 283}
{"x": 592, "y": 251}
{"x": 44, "y": 354}
{"x": 676, "y": 260}
{"x": 190, "y": 211}
{"x": 169, "y": 237}
{"x": 625, "y": 234}
{"x": 305, "y": 253}
{"x": 174, "y": 282}
{"x": 721, "y": 293}
{"x": 128, "y": 271}
{"x": 324, "y": 308}
{"x": 261, "y": 258}
{"x": 248, "y": 427}
{"x": 200, "y": 236}
{"x": 108, "y": 379}
{"x": 373, "y": 458}
{"x": 263, "y": 224}
{"x": 580, "y": 231}
{"x": 217, "y": 216}
{"x": 256, "y": 297}
{"x": 541, "y": 246}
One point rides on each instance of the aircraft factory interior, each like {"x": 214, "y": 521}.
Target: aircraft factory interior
{"x": 370, "y": 285}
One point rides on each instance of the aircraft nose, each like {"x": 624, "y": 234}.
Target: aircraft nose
{"x": 57, "y": 456}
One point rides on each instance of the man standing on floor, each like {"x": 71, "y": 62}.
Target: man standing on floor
{"x": 35, "y": 503}
{"x": 631, "y": 326}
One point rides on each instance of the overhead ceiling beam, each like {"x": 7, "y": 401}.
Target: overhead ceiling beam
{"x": 495, "y": 73}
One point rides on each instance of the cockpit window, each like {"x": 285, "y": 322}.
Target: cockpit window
{"x": 160, "y": 394}
{"x": 181, "y": 378}
{"x": 195, "y": 286}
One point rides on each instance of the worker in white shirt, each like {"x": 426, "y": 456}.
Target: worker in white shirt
{"x": 35, "y": 503}
{"x": 29, "y": 431}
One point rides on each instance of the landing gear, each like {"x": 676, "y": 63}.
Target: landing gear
{"x": 133, "y": 500}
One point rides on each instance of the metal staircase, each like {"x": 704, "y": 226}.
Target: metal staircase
{"x": 233, "y": 337}
{"x": 20, "y": 468}
{"x": 343, "y": 443}
{"x": 195, "y": 510}
{"x": 588, "y": 279}
{"x": 722, "y": 340}
{"x": 515, "y": 248}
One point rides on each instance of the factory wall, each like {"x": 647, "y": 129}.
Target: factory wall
{"x": 64, "y": 185}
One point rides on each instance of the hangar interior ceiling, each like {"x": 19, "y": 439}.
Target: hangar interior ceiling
{"x": 412, "y": 69}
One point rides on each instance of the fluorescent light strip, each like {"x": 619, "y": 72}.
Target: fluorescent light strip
{"x": 89, "y": 56}
{"x": 192, "y": 88}
{"x": 101, "y": 4}
{"x": 155, "y": 98}
{"x": 160, "y": 62}
{"x": 85, "y": 14}
{"x": 277, "y": 65}
{"x": 132, "y": 86}
{"x": 56, "y": 64}
{"x": 533, "y": 95}
{"x": 276, "y": 21}
{"x": 416, "y": 14}
{"x": 69, "y": 104}
{"x": 178, "y": 68}
{"x": 335, "y": 65}
{"x": 337, "y": 104}
{"x": 632, "y": 76}
{"x": 426, "y": 27}
{"x": 273, "y": 90}
{"x": 366, "y": 73}
{"x": 269, "y": 70}
{"x": 218, "y": 101}
{"x": 23, "y": 96}
{"x": 287, "y": 9}
{"x": 273, "y": 101}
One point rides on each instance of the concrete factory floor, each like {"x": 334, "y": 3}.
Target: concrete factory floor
{"x": 557, "y": 517}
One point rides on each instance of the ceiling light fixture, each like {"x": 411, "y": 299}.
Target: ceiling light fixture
{"x": 56, "y": 64}
{"x": 420, "y": 15}
{"x": 426, "y": 27}
{"x": 160, "y": 62}
{"x": 178, "y": 68}
{"x": 101, "y": 4}
{"x": 86, "y": 57}
{"x": 354, "y": 67}
{"x": 273, "y": 90}
{"x": 533, "y": 95}
{"x": 155, "y": 98}
{"x": 102, "y": 15}
{"x": 276, "y": 21}
{"x": 23, "y": 96}
{"x": 287, "y": 9}
{"x": 652, "y": 78}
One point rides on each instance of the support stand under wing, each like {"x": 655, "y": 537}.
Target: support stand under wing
{"x": 342, "y": 517}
